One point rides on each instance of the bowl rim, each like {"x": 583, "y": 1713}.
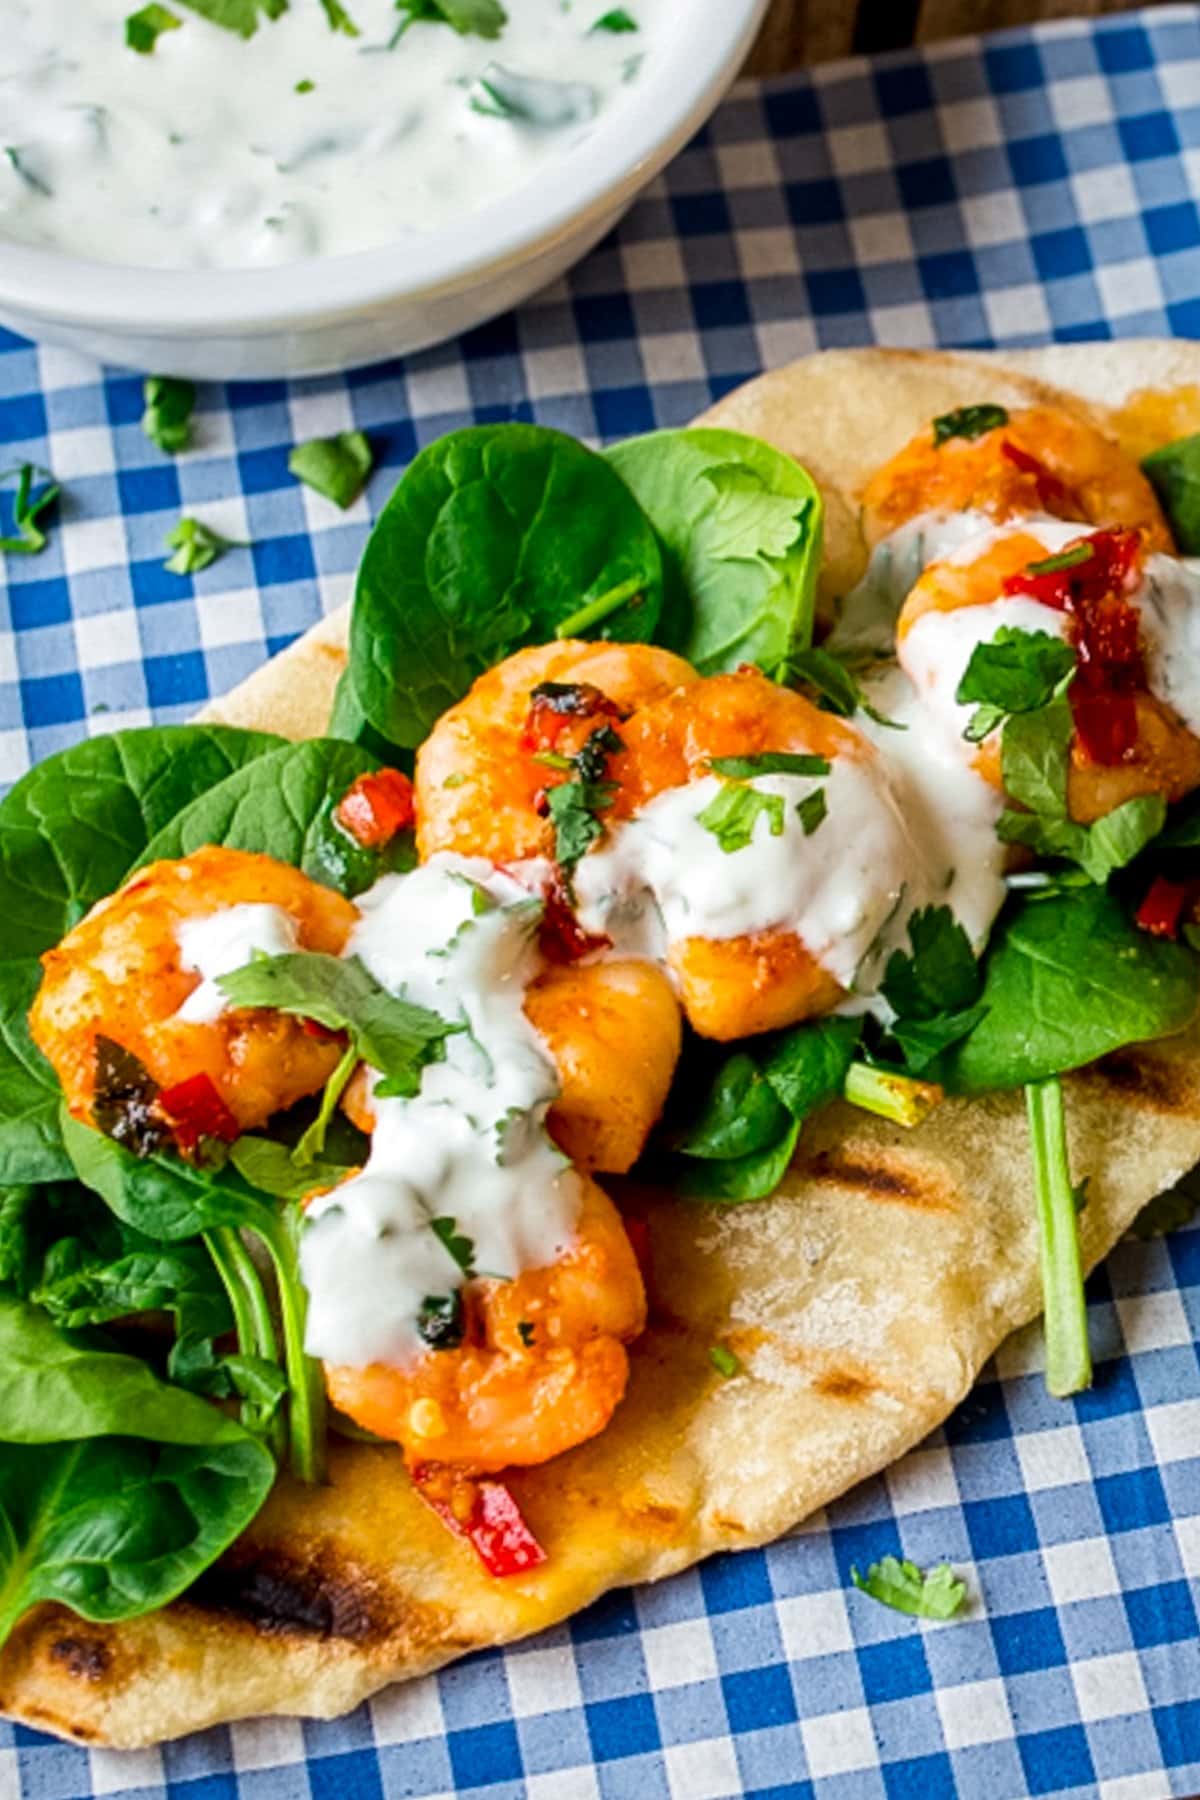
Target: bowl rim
{"x": 663, "y": 109}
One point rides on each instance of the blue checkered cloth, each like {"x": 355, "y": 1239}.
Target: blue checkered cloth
{"x": 1037, "y": 185}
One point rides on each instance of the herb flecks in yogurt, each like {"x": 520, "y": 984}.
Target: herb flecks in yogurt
{"x": 339, "y": 126}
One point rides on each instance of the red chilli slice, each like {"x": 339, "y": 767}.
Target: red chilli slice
{"x": 376, "y": 808}
{"x": 1105, "y": 631}
{"x": 196, "y": 1110}
{"x": 486, "y": 1515}
{"x": 1160, "y": 911}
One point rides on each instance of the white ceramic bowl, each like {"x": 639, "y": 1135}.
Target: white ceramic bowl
{"x": 308, "y": 318}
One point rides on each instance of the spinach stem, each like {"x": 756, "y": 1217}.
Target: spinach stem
{"x": 251, "y": 1313}
{"x": 896, "y": 1097}
{"x": 1068, "y": 1359}
{"x": 595, "y": 610}
{"x": 306, "y": 1389}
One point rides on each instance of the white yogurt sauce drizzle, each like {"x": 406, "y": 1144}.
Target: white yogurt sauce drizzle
{"x": 221, "y": 942}
{"x": 216, "y": 150}
{"x": 472, "y": 1145}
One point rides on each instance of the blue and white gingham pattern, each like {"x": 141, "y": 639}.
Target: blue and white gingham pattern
{"x": 1037, "y": 185}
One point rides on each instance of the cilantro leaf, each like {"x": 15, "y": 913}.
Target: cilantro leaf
{"x": 1016, "y": 672}
{"x": 768, "y": 762}
{"x": 1035, "y": 757}
{"x": 940, "y": 975}
{"x": 573, "y": 806}
{"x": 724, "y": 1361}
{"x": 143, "y": 28}
{"x": 28, "y": 505}
{"x": 272, "y": 1168}
{"x": 812, "y": 811}
{"x": 461, "y": 1249}
{"x": 241, "y": 16}
{"x": 470, "y": 18}
{"x": 392, "y": 1035}
{"x": 1099, "y": 849}
{"x": 734, "y": 812}
{"x": 902, "y": 1586}
{"x": 196, "y": 545}
{"x": 334, "y": 466}
{"x": 967, "y": 422}
{"x": 339, "y": 18}
{"x": 836, "y": 685}
{"x": 1174, "y": 474}
{"x": 500, "y": 93}
{"x": 169, "y": 403}
{"x": 617, "y": 20}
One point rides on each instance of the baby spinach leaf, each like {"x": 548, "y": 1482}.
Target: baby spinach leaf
{"x": 272, "y": 1169}
{"x": 740, "y": 1116}
{"x": 392, "y": 1035}
{"x": 348, "y": 720}
{"x": 1066, "y": 980}
{"x": 807, "y": 1065}
{"x": 739, "y": 1178}
{"x": 81, "y": 1285}
{"x": 30, "y": 1145}
{"x": 116, "y": 1491}
{"x": 284, "y": 806}
{"x": 163, "y": 1196}
{"x": 72, "y": 828}
{"x": 741, "y": 525}
{"x": 494, "y": 536}
{"x": 1174, "y": 474}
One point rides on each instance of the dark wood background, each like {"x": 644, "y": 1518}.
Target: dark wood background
{"x": 808, "y": 31}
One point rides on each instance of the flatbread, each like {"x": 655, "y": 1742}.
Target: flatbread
{"x": 862, "y": 1299}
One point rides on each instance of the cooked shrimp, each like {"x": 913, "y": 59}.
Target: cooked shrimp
{"x": 1157, "y": 754}
{"x": 1040, "y": 461}
{"x": 542, "y": 1368}
{"x": 614, "y": 1032}
{"x": 736, "y": 986}
{"x": 477, "y": 786}
{"x": 119, "y": 975}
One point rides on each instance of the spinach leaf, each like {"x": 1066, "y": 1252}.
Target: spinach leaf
{"x": 393, "y": 1036}
{"x": 741, "y": 525}
{"x": 273, "y": 1169}
{"x": 284, "y": 805}
{"x": 30, "y": 1145}
{"x": 495, "y": 535}
{"x": 1174, "y": 474}
{"x": 72, "y": 828}
{"x": 348, "y": 720}
{"x": 739, "y": 1178}
{"x": 82, "y": 1285}
{"x": 1066, "y": 980}
{"x": 116, "y": 1491}
{"x": 740, "y": 1116}
{"x": 807, "y": 1065}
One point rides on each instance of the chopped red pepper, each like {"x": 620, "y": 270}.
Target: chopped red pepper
{"x": 1105, "y": 631}
{"x": 196, "y": 1110}
{"x": 376, "y": 808}
{"x": 1160, "y": 911}
{"x": 1054, "y": 494}
{"x": 558, "y": 709}
{"x": 561, "y": 937}
{"x": 485, "y": 1513}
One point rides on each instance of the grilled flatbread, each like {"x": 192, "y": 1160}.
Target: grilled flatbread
{"x": 862, "y": 1299}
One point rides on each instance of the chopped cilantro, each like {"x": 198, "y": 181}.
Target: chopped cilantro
{"x": 460, "y": 1248}
{"x": 768, "y": 762}
{"x": 967, "y": 422}
{"x": 144, "y": 28}
{"x": 28, "y": 505}
{"x": 734, "y": 812}
{"x": 836, "y": 685}
{"x": 305, "y": 86}
{"x": 196, "y": 545}
{"x": 339, "y": 18}
{"x": 573, "y": 806}
{"x": 724, "y": 1361}
{"x": 440, "y": 1319}
{"x": 334, "y": 466}
{"x": 935, "y": 990}
{"x": 812, "y": 810}
{"x": 1015, "y": 672}
{"x": 1070, "y": 558}
{"x": 470, "y": 18}
{"x": 616, "y": 21}
{"x": 167, "y": 418}
{"x": 241, "y": 16}
{"x": 902, "y": 1586}
{"x": 457, "y": 780}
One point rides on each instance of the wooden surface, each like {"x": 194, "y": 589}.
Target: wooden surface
{"x": 808, "y": 31}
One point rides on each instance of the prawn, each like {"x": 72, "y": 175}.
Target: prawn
{"x": 1150, "y": 750}
{"x": 732, "y": 987}
{"x": 1041, "y": 460}
{"x": 477, "y": 785}
{"x": 541, "y": 1368}
{"x": 119, "y": 976}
